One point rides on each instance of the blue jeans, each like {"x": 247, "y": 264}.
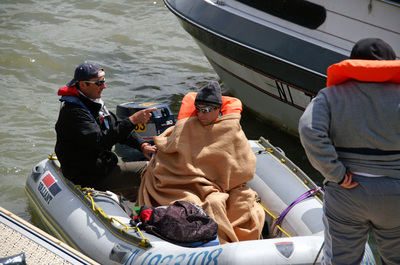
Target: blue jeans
{"x": 350, "y": 214}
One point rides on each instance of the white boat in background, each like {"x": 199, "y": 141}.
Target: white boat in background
{"x": 273, "y": 55}
{"x": 96, "y": 224}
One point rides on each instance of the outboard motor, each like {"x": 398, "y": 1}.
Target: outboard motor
{"x": 160, "y": 120}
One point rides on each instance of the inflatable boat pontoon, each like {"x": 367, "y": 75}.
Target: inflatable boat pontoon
{"x": 96, "y": 224}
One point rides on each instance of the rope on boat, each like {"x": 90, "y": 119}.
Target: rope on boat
{"x": 89, "y": 194}
{"x": 281, "y": 229}
{"x": 302, "y": 197}
{"x": 278, "y": 220}
{"x": 270, "y": 150}
{"x": 52, "y": 157}
{"x": 307, "y": 194}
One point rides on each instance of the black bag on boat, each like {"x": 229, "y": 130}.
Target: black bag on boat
{"x": 182, "y": 222}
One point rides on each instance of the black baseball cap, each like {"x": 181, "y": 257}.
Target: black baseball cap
{"x": 85, "y": 72}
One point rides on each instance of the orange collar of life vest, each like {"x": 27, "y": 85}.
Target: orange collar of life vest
{"x": 229, "y": 105}
{"x": 364, "y": 70}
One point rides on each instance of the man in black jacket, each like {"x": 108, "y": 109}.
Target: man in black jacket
{"x": 86, "y": 132}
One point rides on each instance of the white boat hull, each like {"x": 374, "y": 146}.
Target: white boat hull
{"x": 274, "y": 65}
{"x": 269, "y": 98}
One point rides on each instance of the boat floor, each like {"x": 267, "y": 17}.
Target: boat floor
{"x": 18, "y": 236}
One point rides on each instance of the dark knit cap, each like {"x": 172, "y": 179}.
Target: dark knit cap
{"x": 210, "y": 94}
{"x": 372, "y": 49}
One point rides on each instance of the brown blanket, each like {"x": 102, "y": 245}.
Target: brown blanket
{"x": 208, "y": 166}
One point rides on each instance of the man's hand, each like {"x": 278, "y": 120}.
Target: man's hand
{"x": 148, "y": 150}
{"x": 348, "y": 182}
{"x": 142, "y": 116}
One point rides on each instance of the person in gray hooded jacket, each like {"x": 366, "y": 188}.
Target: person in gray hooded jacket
{"x": 351, "y": 134}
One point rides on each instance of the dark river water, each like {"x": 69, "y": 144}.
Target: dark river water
{"x": 145, "y": 53}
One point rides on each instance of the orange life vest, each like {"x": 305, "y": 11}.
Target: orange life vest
{"x": 364, "y": 70}
{"x": 229, "y": 105}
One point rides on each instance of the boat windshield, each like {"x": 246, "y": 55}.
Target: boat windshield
{"x": 301, "y": 12}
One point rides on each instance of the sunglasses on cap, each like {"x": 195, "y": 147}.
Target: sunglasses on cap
{"x": 98, "y": 82}
{"x": 205, "y": 109}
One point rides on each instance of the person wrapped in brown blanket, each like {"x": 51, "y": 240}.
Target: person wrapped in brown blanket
{"x": 208, "y": 166}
